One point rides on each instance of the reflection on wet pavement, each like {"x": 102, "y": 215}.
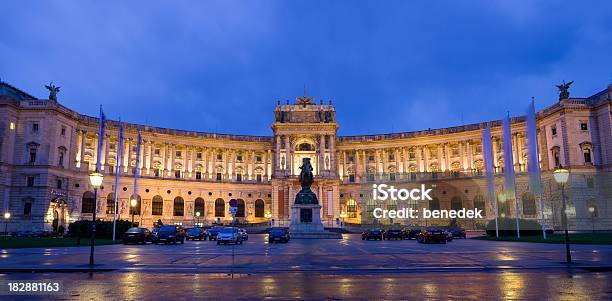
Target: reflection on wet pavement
{"x": 512, "y": 285}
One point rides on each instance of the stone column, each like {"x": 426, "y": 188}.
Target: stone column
{"x": 418, "y": 156}
{"x": 226, "y": 166}
{"x": 141, "y": 156}
{"x": 377, "y": 161}
{"x": 104, "y": 158}
{"x": 440, "y": 162}
{"x": 333, "y": 165}
{"x": 398, "y": 158}
{"x": 321, "y": 163}
{"x": 127, "y": 155}
{"x": 426, "y": 158}
{"x": 150, "y": 156}
{"x": 276, "y": 159}
{"x": 405, "y": 155}
{"x": 80, "y": 157}
{"x": 470, "y": 155}
{"x": 464, "y": 164}
{"x": 494, "y": 146}
{"x": 288, "y": 157}
{"x": 234, "y": 165}
{"x": 267, "y": 165}
{"x": 172, "y": 157}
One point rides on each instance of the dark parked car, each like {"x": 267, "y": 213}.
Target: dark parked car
{"x": 457, "y": 232}
{"x": 170, "y": 234}
{"x": 413, "y": 233}
{"x": 212, "y": 232}
{"x": 137, "y": 235}
{"x": 195, "y": 233}
{"x": 375, "y": 234}
{"x": 394, "y": 234}
{"x": 279, "y": 234}
{"x": 430, "y": 235}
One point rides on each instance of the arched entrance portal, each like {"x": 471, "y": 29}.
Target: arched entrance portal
{"x": 57, "y": 214}
{"x": 304, "y": 148}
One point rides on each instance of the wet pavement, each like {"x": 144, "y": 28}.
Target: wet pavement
{"x": 348, "y": 268}
{"x": 349, "y": 254}
{"x": 497, "y": 285}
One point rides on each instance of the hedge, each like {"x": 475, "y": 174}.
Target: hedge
{"x": 104, "y": 229}
{"x": 507, "y": 227}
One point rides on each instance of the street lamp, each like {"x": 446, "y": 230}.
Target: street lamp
{"x": 7, "y": 216}
{"x": 342, "y": 216}
{"x": 592, "y": 211}
{"x": 96, "y": 181}
{"x": 197, "y": 218}
{"x": 133, "y": 203}
{"x": 268, "y": 216}
{"x": 561, "y": 176}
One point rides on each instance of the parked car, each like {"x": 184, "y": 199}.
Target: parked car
{"x": 137, "y": 235}
{"x": 154, "y": 231}
{"x": 394, "y": 234}
{"x": 229, "y": 235}
{"x": 375, "y": 233}
{"x": 170, "y": 234}
{"x": 195, "y": 233}
{"x": 279, "y": 234}
{"x": 212, "y": 232}
{"x": 430, "y": 235}
{"x": 243, "y": 232}
{"x": 413, "y": 233}
{"x": 457, "y": 232}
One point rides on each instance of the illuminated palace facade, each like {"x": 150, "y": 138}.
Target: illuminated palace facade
{"x": 48, "y": 150}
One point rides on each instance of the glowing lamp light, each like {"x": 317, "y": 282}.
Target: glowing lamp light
{"x": 591, "y": 209}
{"x": 198, "y": 214}
{"x": 7, "y": 215}
{"x": 343, "y": 214}
{"x": 502, "y": 197}
{"x": 133, "y": 202}
{"x": 561, "y": 175}
{"x": 96, "y": 179}
{"x": 268, "y": 214}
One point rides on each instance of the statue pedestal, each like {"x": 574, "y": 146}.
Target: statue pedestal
{"x": 306, "y": 223}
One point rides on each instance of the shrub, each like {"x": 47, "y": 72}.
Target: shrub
{"x": 507, "y": 227}
{"x": 104, "y": 229}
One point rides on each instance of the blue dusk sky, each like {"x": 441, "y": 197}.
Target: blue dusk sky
{"x": 388, "y": 66}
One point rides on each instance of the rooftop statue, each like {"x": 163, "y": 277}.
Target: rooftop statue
{"x": 564, "y": 90}
{"x": 53, "y": 90}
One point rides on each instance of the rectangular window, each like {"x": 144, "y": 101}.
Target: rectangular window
{"x": 371, "y": 158}
{"x": 59, "y": 184}
{"x": 178, "y": 154}
{"x": 391, "y": 177}
{"x": 584, "y": 126}
{"x": 590, "y": 183}
{"x": 177, "y": 174}
{"x": 34, "y": 127}
{"x": 239, "y": 158}
{"x": 111, "y": 169}
{"x": 219, "y": 157}
{"x": 12, "y": 125}
{"x": 553, "y": 131}
{"x": 157, "y": 208}
{"x": 157, "y": 151}
{"x": 61, "y": 159}
{"x": 391, "y": 157}
{"x": 111, "y": 146}
{"x": 258, "y": 178}
{"x": 30, "y": 181}
{"x": 33, "y": 155}
{"x": 156, "y": 172}
{"x": 258, "y": 158}
{"x": 411, "y": 155}
{"x": 239, "y": 178}
{"x": 587, "y": 156}
{"x": 63, "y": 131}
{"x": 219, "y": 176}
{"x": 198, "y": 175}
{"x": 351, "y": 178}
{"x": 351, "y": 159}
{"x": 199, "y": 155}
{"x": 371, "y": 177}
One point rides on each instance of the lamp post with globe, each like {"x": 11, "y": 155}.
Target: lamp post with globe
{"x": 592, "y": 212}
{"x": 95, "y": 179}
{"x": 198, "y": 219}
{"x": 268, "y": 216}
{"x": 133, "y": 203}
{"x": 7, "y": 216}
{"x": 561, "y": 176}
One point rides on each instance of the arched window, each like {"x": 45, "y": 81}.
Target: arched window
{"x": 480, "y": 204}
{"x": 110, "y": 204}
{"x": 136, "y": 209}
{"x": 87, "y": 202}
{"x": 556, "y": 155}
{"x": 351, "y": 208}
{"x": 529, "y": 207}
{"x": 259, "y": 208}
{"x": 434, "y": 204}
{"x": 370, "y": 206}
{"x": 179, "y": 206}
{"x": 219, "y": 208}
{"x": 157, "y": 205}
{"x": 586, "y": 148}
{"x": 240, "y": 206}
{"x": 198, "y": 206}
{"x": 456, "y": 203}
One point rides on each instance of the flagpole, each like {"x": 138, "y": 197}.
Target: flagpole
{"x": 509, "y": 181}
{"x": 117, "y": 172}
{"x": 534, "y": 161}
{"x": 137, "y": 173}
{"x": 487, "y": 151}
